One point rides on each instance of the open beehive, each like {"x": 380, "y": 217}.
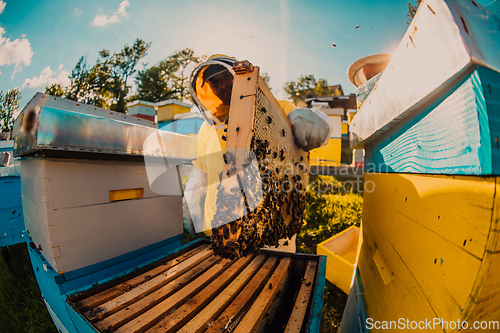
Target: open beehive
{"x": 194, "y": 290}
{"x": 266, "y": 199}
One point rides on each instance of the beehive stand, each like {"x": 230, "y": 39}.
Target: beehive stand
{"x": 259, "y": 143}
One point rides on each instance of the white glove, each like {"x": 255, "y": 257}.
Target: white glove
{"x": 196, "y": 189}
{"x": 311, "y": 128}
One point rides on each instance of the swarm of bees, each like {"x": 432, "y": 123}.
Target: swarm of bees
{"x": 261, "y": 211}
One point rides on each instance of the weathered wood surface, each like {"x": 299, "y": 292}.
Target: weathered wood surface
{"x": 442, "y": 44}
{"x": 200, "y": 292}
{"x": 456, "y": 134}
{"x": 430, "y": 247}
{"x": 299, "y": 309}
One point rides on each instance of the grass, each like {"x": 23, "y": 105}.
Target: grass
{"x": 328, "y": 213}
{"x": 21, "y": 306}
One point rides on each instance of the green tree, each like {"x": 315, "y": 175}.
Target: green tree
{"x": 306, "y": 86}
{"x": 55, "y": 89}
{"x": 9, "y": 104}
{"x": 412, "y": 10}
{"x": 169, "y": 79}
{"x": 265, "y": 76}
{"x": 113, "y": 71}
{"x": 79, "y": 87}
{"x": 106, "y": 83}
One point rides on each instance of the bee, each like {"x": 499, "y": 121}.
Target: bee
{"x": 282, "y": 155}
{"x": 226, "y": 232}
{"x": 263, "y": 109}
{"x": 269, "y": 120}
{"x": 275, "y": 154}
{"x": 224, "y": 157}
{"x": 224, "y": 137}
{"x": 226, "y": 121}
{"x": 301, "y": 158}
{"x": 283, "y": 132}
{"x": 225, "y": 130}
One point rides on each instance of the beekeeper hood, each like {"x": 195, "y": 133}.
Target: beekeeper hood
{"x": 202, "y": 92}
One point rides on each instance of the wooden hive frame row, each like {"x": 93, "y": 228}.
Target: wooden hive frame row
{"x": 197, "y": 291}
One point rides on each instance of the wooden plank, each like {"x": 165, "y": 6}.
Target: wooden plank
{"x": 108, "y": 294}
{"x": 299, "y": 309}
{"x": 150, "y": 285}
{"x": 242, "y": 100}
{"x": 155, "y": 314}
{"x": 451, "y": 136}
{"x": 428, "y": 62}
{"x": 116, "y": 319}
{"x": 254, "y": 316}
{"x": 487, "y": 300}
{"x": 314, "y": 317}
{"x": 441, "y": 247}
{"x": 402, "y": 298}
{"x": 202, "y": 320}
{"x": 82, "y": 236}
{"x": 491, "y": 85}
{"x": 244, "y": 299}
{"x": 189, "y": 309}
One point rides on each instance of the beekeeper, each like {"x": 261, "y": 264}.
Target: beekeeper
{"x": 211, "y": 87}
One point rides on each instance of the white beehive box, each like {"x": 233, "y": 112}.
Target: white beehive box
{"x": 86, "y": 192}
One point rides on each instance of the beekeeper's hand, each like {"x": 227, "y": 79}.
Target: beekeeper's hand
{"x": 196, "y": 189}
{"x": 311, "y": 128}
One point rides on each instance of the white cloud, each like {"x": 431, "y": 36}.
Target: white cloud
{"x": 2, "y": 6}
{"x": 121, "y": 9}
{"x": 16, "y": 52}
{"x": 48, "y": 77}
{"x": 78, "y": 12}
{"x": 103, "y": 20}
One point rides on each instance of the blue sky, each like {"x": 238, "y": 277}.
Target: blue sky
{"x": 41, "y": 41}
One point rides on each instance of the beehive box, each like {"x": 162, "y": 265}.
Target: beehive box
{"x": 262, "y": 194}
{"x": 194, "y": 290}
{"x": 87, "y": 192}
{"x": 11, "y": 210}
{"x": 341, "y": 252}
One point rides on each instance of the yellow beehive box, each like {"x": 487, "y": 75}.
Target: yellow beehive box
{"x": 328, "y": 155}
{"x": 166, "y": 110}
{"x": 341, "y": 252}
